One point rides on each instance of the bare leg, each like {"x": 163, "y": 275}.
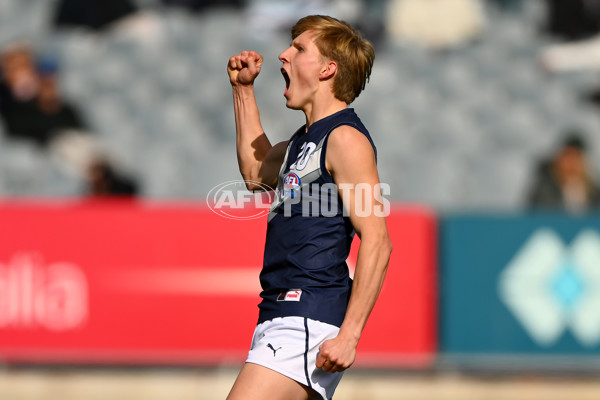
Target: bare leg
{"x": 256, "y": 382}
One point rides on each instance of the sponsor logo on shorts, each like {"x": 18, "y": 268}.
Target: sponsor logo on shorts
{"x": 290, "y": 295}
{"x": 269, "y": 345}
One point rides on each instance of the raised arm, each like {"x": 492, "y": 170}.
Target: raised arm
{"x": 351, "y": 161}
{"x": 258, "y": 160}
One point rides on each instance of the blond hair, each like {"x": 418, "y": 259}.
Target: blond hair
{"x": 338, "y": 41}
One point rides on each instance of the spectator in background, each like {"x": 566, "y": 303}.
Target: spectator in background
{"x": 101, "y": 16}
{"x": 577, "y": 24}
{"x": 19, "y": 82}
{"x": 573, "y": 19}
{"x": 93, "y": 14}
{"x": 565, "y": 181}
{"x": 51, "y": 113}
{"x": 32, "y": 106}
{"x": 104, "y": 180}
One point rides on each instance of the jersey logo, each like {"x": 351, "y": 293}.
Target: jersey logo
{"x": 305, "y": 152}
{"x": 269, "y": 345}
{"x": 290, "y": 295}
{"x": 291, "y": 183}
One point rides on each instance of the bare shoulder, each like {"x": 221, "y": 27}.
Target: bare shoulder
{"x": 348, "y": 146}
{"x": 347, "y": 134}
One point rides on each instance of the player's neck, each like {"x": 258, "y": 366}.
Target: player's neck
{"x": 322, "y": 109}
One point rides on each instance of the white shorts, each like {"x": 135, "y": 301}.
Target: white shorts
{"x": 290, "y": 346}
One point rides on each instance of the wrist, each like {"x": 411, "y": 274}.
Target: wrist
{"x": 350, "y": 336}
{"x": 242, "y": 86}
{"x": 243, "y": 92}
{"x": 243, "y": 95}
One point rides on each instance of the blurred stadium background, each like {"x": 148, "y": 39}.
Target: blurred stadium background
{"x": 487, "y": 297}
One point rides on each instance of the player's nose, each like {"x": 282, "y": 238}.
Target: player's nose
{"x": 283, "y": 56}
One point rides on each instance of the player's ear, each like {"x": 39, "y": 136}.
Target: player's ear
{"x": 328, "y": 71}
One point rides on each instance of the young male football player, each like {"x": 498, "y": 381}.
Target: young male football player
{"x": 327, "y": 188}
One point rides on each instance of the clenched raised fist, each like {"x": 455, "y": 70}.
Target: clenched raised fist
{"x": 244, "y": 68}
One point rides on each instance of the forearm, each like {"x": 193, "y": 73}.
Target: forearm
{"x": 371, "y": 267}
{"x": 251, "y": 142}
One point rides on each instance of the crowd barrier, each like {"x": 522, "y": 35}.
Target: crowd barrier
{"x": 153, "y": 283}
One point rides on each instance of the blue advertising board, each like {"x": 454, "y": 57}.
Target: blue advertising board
{"x": 520, "y": 285}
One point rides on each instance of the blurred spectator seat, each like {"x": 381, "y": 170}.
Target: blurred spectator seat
{"x": 435, "y": 23}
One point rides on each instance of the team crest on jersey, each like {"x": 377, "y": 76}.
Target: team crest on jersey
{"x": 291, "y": 183}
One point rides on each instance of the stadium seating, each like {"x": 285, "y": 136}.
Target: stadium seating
{"x": 456, "y": 129}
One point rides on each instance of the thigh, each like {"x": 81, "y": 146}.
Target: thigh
{"x": 256, "y": 382}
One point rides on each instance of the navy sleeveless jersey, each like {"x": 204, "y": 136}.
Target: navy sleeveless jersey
{"x": 308, "y": 237}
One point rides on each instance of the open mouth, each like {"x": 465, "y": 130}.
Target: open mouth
{"x": 287, "y": 80}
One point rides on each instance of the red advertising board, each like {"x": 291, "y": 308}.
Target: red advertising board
{"x": 128, "y": 282}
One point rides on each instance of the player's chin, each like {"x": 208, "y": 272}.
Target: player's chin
{"x": 289, "y": 104}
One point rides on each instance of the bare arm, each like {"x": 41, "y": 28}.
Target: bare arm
{"x": 351, "y": 161}
{"x": 258, "y": 160}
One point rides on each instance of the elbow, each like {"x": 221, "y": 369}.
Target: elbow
{"x": 388, "y": 246}
{"x": 385, "y": 243}
{"x": 249, "y": 180}
{"x": 252, "y": 179}
{"x": 252, "y": 186}
{"x": 386, "y": 249}
{"x": 382, "y": 247}
{"x": 256, "y": 185}
{"x": 379, "y": 243}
